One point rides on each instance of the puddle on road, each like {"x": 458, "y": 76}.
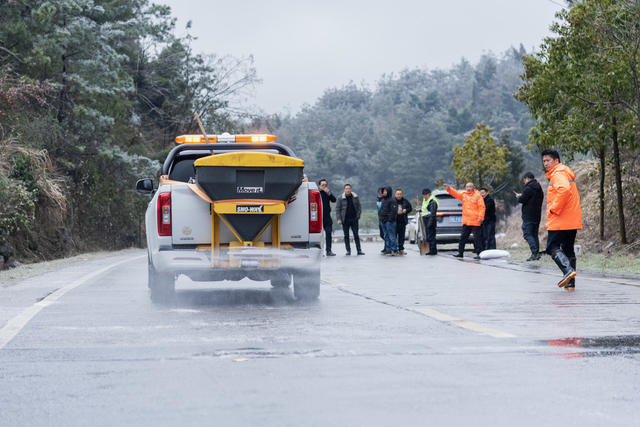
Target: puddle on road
{"x": 597, "y": 346}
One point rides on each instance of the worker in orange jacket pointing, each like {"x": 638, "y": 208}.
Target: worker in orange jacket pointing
{"x": 564, "y": 216}
{"x": 472, "y": 217}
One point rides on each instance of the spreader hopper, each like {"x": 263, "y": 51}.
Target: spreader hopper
{"x": 249, "y": 189}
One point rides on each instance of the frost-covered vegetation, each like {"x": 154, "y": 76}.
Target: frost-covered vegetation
{"x": 92, "y": 93}
{"x": 402, "y": 131}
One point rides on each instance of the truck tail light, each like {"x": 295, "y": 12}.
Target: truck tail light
{"x": 164, "y": 214}
{"x": 315, "y": 212}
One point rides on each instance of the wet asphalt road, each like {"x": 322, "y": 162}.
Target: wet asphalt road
{"x": 392, "y": 341}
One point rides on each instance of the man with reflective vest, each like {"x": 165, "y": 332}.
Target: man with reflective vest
{"x": 564, "y": 216}
{"x": 472, "y": 217}
{"x": 428, "y": 212}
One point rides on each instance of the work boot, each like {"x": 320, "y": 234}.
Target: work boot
{"x": 564, "y": 264}
{"x": 571, "y": 286}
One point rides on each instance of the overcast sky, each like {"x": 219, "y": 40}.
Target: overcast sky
{"x": 303, "y": 47}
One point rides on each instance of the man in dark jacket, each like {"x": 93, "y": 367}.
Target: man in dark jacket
{"x": 531, "y": 199}
{"x": 404, "y": 208}
{"x": 348, "y": 212}
{"x": 327, "y": 222}
{"x": 389, "y": 216}
{"x": 489, "y": 223}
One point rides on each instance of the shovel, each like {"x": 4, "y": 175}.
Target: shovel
{"x": 423, "y": 245}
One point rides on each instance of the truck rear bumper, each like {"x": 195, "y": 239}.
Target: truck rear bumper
{"x": 237, "y": 263}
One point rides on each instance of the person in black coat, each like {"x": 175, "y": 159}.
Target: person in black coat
{"x": 531, "y": 199}
{"x": 327, "y": 222}
{"x": 348, "y": 210}
{"x": 389, "y": 216}
{"x": 404, "y": 208}
{"x": 489, "y": 223}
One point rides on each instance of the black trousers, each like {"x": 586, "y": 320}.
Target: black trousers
{"x": 400, "y": 231}
{"x": 561, "y": 239}
{"x": 430, "y": 232}
{"x": 489, "y": 235}
{"x": 530, "y": 234}
{"x": 353, "y": 225}
{"x": 382, "y": 235}
{"x": 328, "y": 229}
{"x": 477, "y": 238}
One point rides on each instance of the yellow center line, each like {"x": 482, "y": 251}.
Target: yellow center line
{"x": 334, "y": 283}
{"x": 443, "y": 317}
{"x": 465, "y": 324}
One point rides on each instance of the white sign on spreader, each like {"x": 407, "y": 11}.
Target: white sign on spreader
{"x": 250, "y": 209}
{"x": 249, "y": 190}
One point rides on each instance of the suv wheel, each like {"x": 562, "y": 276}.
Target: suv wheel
{"x": 281, "y": 282}
{"x": 306, "y": 286}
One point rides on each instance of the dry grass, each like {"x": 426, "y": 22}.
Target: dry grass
{"x": 52, "y": 198}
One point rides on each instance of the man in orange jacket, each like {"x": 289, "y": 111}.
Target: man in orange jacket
{"x": 564, "y": 216}
{"x": 472, "y": 216}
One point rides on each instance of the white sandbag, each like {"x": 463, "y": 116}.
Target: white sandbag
{"x": 494, "y": 253}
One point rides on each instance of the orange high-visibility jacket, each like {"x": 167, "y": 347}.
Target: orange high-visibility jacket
{"x": 563, "y": 201}
{"x": 472, "y": 206}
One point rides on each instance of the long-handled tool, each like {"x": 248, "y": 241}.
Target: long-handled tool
{"x": 423, "y": 245}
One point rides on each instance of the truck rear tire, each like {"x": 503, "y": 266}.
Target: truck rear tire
{"x": 161, "y": 285}
{"x": 306, "y": 286}
{"x": 281, "y": 282}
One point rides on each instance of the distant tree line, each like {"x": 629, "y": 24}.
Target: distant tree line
{"x": 402, "y": 131}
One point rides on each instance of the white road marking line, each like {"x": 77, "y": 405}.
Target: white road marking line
{"x": 443, "y": 317}
{"x": 17, "y": 323}
{"x": 465, "y": 324}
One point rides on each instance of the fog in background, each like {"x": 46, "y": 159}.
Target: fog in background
{"x": 303, "y": 47}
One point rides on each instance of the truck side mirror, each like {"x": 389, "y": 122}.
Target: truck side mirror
{"x": 144, "y": 186}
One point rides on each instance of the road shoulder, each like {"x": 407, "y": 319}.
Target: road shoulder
{"x": 14, "y": 276}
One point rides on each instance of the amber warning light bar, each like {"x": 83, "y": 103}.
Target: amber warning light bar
{"x": 225, "y": 137}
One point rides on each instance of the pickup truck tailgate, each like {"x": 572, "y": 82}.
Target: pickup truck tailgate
{"x": 191, "y": 219}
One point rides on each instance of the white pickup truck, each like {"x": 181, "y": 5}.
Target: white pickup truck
{"x": 229, "y": 207}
